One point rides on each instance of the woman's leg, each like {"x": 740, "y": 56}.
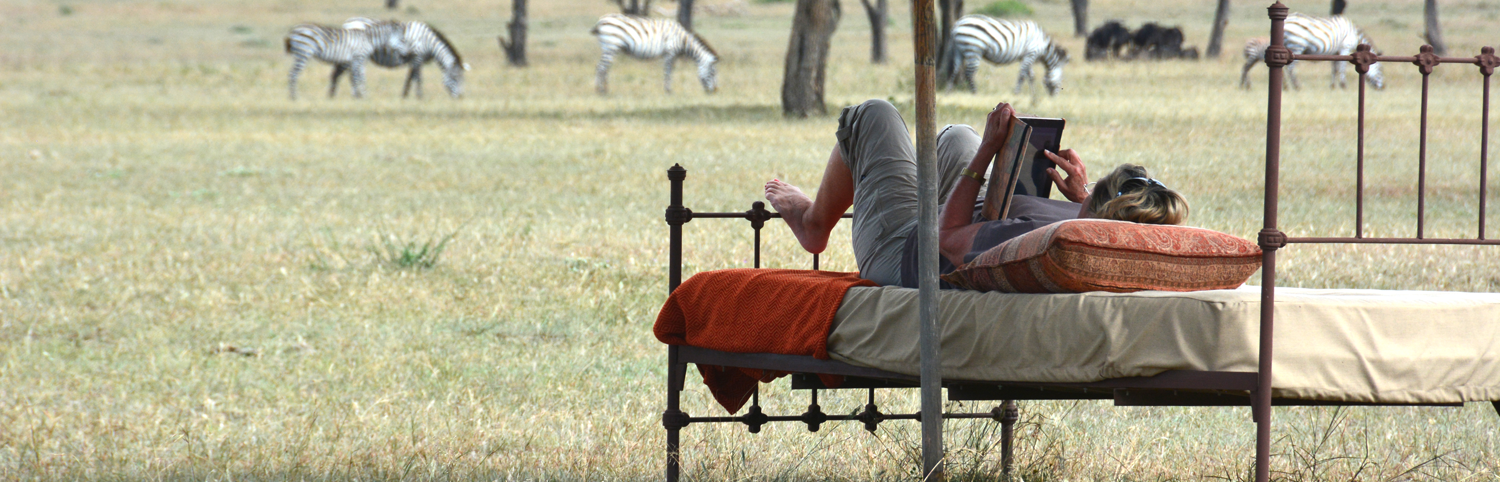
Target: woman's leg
{"x": 812, "y": 220}
{"x": 873, "y": 169}
{"x": 956, "y": 145}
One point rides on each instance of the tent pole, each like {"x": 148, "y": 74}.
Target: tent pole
{"x": 925, "y": 56}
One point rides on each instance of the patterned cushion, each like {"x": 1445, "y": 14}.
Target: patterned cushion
{"x": 1100, "y": 255}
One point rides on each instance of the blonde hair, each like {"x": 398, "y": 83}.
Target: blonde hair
{"x": 1151, "y": 204}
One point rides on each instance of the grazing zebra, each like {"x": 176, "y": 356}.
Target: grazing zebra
{"x": 346, "y": 49}
{"x": 417, "y": 43}
{"x": 1002, "y": 42}
{"x": 1255, "y": 52}
{"x": 1317, "y": 36}
{"x": 647, "y": 38}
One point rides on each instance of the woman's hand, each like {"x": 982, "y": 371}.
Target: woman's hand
{"x": 996, "y": 130}
{"x": 1074, "y": 187}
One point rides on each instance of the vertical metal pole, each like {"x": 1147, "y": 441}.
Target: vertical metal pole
{"x": 1271, "y": 239}
{"x": 1359, "y": 190}
{"x": 1009, "y": 413}
{"x": 1422, "y": 162}
{"x": 1484, "y": 145}
{"x": 757, "y": 248}
{"x": 675, "y": 373}
{"x": 925, "y": 58}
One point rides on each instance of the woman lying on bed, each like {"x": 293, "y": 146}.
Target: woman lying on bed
{"x": 873, "y": 167}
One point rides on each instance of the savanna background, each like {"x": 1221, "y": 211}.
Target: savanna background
{"x": 201, "y": 279}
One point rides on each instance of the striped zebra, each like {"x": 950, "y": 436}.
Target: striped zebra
{"x": 1255, "y": 52}
{"x": 647, "y": 38}
{"x": 346, "y": 49}
{"x": 1002, "y": 42}
{"x": 1316, "y": 36}
{"x": 417, "y": 43}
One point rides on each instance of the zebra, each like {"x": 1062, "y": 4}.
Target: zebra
{"x": 1316, "y": 36}
{"x": 646, "y": 38}
{"x": 1002, "y": 42}
{"x": 418, "y": 43}
{"x": 346, "y": 49}
{"x": 1255, "y": 52}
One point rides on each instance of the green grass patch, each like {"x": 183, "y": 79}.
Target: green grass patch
{"x": 1006, "y": 8}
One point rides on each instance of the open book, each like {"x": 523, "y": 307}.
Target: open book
{"x": 1006, "y": 170}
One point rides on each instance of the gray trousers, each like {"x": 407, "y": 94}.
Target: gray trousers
{"x": 878, "y": 149}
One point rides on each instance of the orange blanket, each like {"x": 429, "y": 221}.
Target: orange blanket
{"x": 782, "y": 311}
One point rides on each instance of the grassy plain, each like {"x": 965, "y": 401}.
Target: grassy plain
{"x": 195, "y": 282}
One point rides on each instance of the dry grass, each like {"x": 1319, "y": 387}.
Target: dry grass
{"x": 188, "y": 290}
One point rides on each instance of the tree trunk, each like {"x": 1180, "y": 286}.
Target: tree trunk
{"x": 1338, "y": 7}
{"x": 515, "y": 48}
{"x": 685, "y": 14}
{"x": 877, "y": 14}
{"x": 951, "y": 11}
{"x": 1434, "y": 29}
{"x": 635, "y": 7}
{"x": 1216, "y": 38}
{"x": 807, "y": 57}
{"x": 1080, "y": 18}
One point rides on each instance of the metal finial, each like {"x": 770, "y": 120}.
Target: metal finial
{"x": 1277, "y": 11}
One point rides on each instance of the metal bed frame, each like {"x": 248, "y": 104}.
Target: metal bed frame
{"x": 1172, "y": 388}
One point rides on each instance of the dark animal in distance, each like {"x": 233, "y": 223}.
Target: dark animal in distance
{"x": 1151, "y": 41}
{"x": 1107, "y": 41}
{"x": 1157, "y": 42}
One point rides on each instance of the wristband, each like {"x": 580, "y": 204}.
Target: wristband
{"x": 972, "y": 175}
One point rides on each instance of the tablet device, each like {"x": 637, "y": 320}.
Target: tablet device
{"x": 1046, "y": 135}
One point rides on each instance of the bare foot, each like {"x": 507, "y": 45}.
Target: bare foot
{"x": 792, "y": 204}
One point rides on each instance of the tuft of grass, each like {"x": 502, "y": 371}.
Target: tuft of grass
{"x": 64, "y": 10}
{"x": 1006, "y": 8}
{"x": 393, "y": 252}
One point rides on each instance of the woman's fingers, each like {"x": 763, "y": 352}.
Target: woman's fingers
{"x": 1057, "y": 179}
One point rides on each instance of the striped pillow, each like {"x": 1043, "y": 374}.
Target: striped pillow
{"x": 1081, "y": 255}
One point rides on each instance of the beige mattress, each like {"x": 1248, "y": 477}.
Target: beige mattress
{"x": 1344, "y": 345}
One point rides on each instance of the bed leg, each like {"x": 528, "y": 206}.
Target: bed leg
{"x": 674, "y": 419}
{"x": 1261, "y": 411}
{"x": 1009, "y": 413}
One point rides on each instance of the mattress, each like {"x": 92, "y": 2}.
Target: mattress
{"x": 1336, "y": 345}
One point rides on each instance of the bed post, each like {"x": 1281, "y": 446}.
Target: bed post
{"x": 673, "y": 419}
{"x": 1271, "y": 239}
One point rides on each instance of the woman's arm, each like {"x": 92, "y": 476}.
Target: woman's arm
{"x": 957, "y": 229}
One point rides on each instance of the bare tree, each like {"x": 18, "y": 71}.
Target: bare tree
{"x": 1434, "y": 33}
{"x": 515, "y": 48}
{"x": 1216, "y": 38}
{"x": 951, "y": 11}
{"x": 807, "y": 57}
{"x": 685, "y": 14}
{"x": 1080, "y": 18}
{"x": 635, "y": 7}
{"x": 877, "y": 14}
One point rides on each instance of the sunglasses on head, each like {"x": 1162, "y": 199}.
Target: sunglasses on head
{"x": 1137, "y": 183}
